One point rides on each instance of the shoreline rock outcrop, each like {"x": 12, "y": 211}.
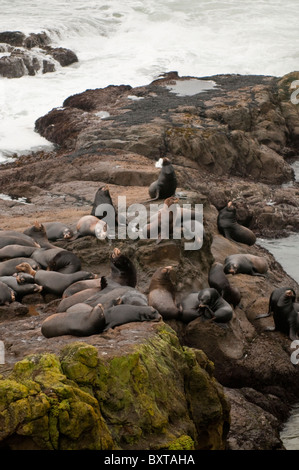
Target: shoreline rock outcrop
{"x": 27, "y": 55}
{"x": 231, "y": 142}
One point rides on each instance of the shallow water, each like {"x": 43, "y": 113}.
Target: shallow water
{"x": 285, "y": 251}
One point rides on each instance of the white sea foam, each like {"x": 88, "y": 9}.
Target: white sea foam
{"x": 133, "y": 42}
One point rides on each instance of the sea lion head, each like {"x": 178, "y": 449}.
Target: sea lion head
{"x": 26, "y": 268}
{"x": 115, "y": 253}
{"x": 151, "y": 314}
{"x": 67, "y": 233}
{"x": 207, "y": 297}
{"x": 290, "y": 293}
{"x": 231, "y": 268}
{"x": 166, "y": 161}
{"x": 100, "y": 230}
{"x": 171, "y": 201}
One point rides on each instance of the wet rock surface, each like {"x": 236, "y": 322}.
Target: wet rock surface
{"x": 27, "y": 55}
{"x": 231, "y": 142}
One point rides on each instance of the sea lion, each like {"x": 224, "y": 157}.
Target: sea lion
{"x": 213, "y": 307}
{"x": 245, "y": 264}
{"x": 273, "y": 299}
{"x": 65, "y": 262}
{"x": 26, "y": 268}
{"x": 7, "y": 294}
{"x": 285, "y": 312}
{"x": 218, "y": 280}
{"x": 97, "y": 283}
{"x": 38, "y": 232}
{"x": 123, "y": 270}
{"x": 20, "y": 289}
{"x": 16, "y": 251}
{"x": 9, "y": 267}
{"x": 132, "y": 297}
{"x": 121, "y": 314}
{"x": 24, "y": 278}
{"x": 166, "y": 184}
{"x": 161, "y": 224}
{"x": 103, "y": 207}
{"x": 77, "y": 298}
{"x": 55, "y": 283}
{"x": 78, "y": 322}
{"x": 90, "y": 225}
{"x": 43, "y": 256}
{"x": 57, "y": 231}
{"x": 189, "y": 308}
{"x": 162, "y": 293}
{"x": 109, "y": 296}
{"x": 12, "y": 237}
{"x": 286, "y": 316}
{"x": 231, "y": 229}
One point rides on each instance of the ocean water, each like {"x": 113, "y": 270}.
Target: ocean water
{"x": 286, "y": 252}
{"x": 133, "y": 42}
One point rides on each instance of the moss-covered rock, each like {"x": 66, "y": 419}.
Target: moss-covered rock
{"x": 159, "y": 395}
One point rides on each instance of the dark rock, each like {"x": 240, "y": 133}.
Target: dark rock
{"x": 64, "y": 56}
{"x": 12, "y": 67}
{"x": 14, "y": 38}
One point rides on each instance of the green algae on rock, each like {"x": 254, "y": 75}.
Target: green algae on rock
{"x": 159, "y": 395}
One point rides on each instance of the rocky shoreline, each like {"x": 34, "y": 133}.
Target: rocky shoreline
{"x": 231, "y": 142}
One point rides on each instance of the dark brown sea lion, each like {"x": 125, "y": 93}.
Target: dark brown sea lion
{"x": 132, "y": 297}
{"x": 285, "y": 312}
{"x": 77, "y": 298}
{"x": 103, "y": 207}
{"x": 189, "y": 308}
{"x": 121, "y": 314}
{"x": 9, "y": 267}
{"x": 97, "y": 283}
{"x": 56, "y": 283}
{"x": 7, "y": 294}
{"x": 218, "y": 280}
{"x": 57, "y": 231}
{"x": 12, "y": 237}
{"x": 65, "y": 262}
{"x": 109, "y": 296}
{"x": 231, "y": 229}
{"x": 78, "y": 322}
{"x": 286, "y": 316}
{"x": 89, "y": 225}
{"x": 245, "y": 264}
{"x": 16, "y": 251}
{"x": 24, "y": 278}
{"x": 43, "y": 256}
{"x": 273, "y": 299}
{"x": 162, "y": 293}
{"x": 213, "y": 307}
{"x": 38, "y": 232}
{"x": 20, "y": 289}
{"x": 123, "y": 270}
{"x": 166, "y": 184}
